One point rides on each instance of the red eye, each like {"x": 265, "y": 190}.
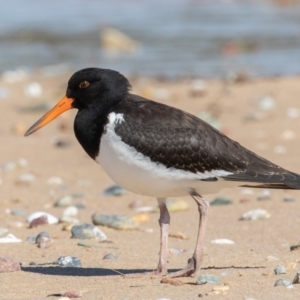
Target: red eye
{"x": 84, "y": 84}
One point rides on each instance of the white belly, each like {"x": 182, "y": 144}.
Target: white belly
{"x": 138, "y": 174}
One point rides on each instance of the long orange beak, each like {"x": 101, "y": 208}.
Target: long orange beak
{"x": 64, "y": 104}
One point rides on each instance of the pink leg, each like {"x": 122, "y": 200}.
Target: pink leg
{"x": 194, "y": 263}
{"x": 164, "y": 223}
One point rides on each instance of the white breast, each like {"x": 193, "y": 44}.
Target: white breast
{"x": 138, "y": 174}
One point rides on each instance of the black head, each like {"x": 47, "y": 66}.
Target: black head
{"x": 90, "y": 89}
{"x": 97, "y": 87}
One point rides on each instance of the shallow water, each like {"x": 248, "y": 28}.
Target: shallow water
{"x": 177, "y": 37}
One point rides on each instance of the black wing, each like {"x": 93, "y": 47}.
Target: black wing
{"x": 180, "y": 140}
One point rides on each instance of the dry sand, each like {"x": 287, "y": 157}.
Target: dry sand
{"x": 243, "y": 266}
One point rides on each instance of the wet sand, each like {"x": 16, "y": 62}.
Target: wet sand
{"x": 242, "y": 266}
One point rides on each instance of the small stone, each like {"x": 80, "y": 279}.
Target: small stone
{"x": 69, "y": 261}
{"x": 8, "y": 264}
{"x": 51, "y": 219}
{"x": 172, "y": 281}
{"x": 280, "y": 270}
{"x": 30, "y": 239}
{"x": 288, "y": 135}
{"x": 220, "y": 290}
{"x": 40, "y": 235}
{"x": 72, "y": 294}
{"x": 220, "y": 201}
{"x": 3, "y": 231}
{"x": 293, "y": 113}
{"x": 33, "y": 90}
{"x": 198, "y": 87}
{"x": 114, "y": 190}
{"x": 87, "y": 231}
{"x": 60, "y": 143}
{"x": 264, "y": 195}
{"x": 141, "y": 218}
{"x": 54, "y": 180}
{"x": 296, "y": 279}
{"x": 208, "y": 278}
{"x": 87, "y": 244}
{"x": 38, "y": 221}
{"x": 45, "y": 242}
{"x": 10, "y": 238}
{"x": 8, "y": 166}
{"x": 110, "y": 256}
{"x": 176, "y": 251}
{"x": 120, "y": 222}
{"x": 135, "y": 204}
{"x": 175, "y": 205}
{"x": 272, "y": 258}
{"x": 266, "y": 103}
{"x": 18, "y": 212}
{"x": 64, "y": 201}
{"x": 282, "y": 282}
{"x": 291, "y": 266}
{"x": 279, "y": 149}
{"x": 80, "y": 206}
{"x": 289, "y": 199}
{"x": 223, "y": 242}
{"x": 179, "y": 235}
{"x": 68, "y": 226}
{"x": 70, "y": 220}
{"x": 256, "y": 214}
{"x": 70, "y": 211}
{"x": 25, "y": 178}
{"x": 142, "y": 209}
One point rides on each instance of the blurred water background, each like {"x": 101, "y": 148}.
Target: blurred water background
{"x": 173, "y": 37}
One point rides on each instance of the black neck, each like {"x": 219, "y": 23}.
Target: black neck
{"x": 89, "y": 126}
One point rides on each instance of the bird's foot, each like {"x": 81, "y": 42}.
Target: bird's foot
{"x": 189, "y": 271}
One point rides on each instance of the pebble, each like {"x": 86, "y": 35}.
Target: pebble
{"x": 175, "y": 205}
{"x": 272, "y": 258}
{"x": 45, "y": 242}
{"x": 88, "y": 245}
{"x": 64, "y": 201}
{"x": 266, "y": 103}
{"x": 220, "y": 201}
{"x": 26, "y": 178}
{"x": 14, "y": 75}
{"x": 208, "y": 278}
{"x": 9, "y": 264}
{"x": 80, "y": 206}
{"x": 291, "y": 266}
{"x": 223, "y": 242}
{"x": 264, "y": 195}
{"x": 247, "y": 192}
{"x": 40, "y": 235}
{"x": 288, "y": 135}
{"x": 18, "y": 212}
{"x": 69, "y": 220}
{"x": 141, "y": 218}
{"x": 33, "y": 90}
{"x": 292, "y": 112}
{"x": 10, "y": 238}
{"x": 176, "y": 251}
{"x": 30, "y": 239}
{"x": 87, "y": 231}
{"x": 69, "y": 261}
{"x": 220, "y": 290}
{"x": 51, "y": 219}
{"x": 179, "y": 235}
{"x": 60, "y": 143}
{"x": 296, "y": 279}
{"x": 146, "y": 209}
{"x": 283, "y": 282}
{"x": 120, "y": 222}
{"x": 280, "y": 270}
{"x": 114, "y": 190}
{"x": 39, "y": 221}
{"x": 54, "y": 180}
{"x": 289, "y": 199}
{"x": 279, "y": 149}
{"x": 70, "y": 211}
{"x": 198, "y": 87}
{"x": 256, "y": 214}
{"x": 172, "y": 281}
{"x": 3, "y": 231}
{"x": 110, "y": 256}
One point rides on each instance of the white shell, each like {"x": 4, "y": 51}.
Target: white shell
{"x": 35, "y": 215}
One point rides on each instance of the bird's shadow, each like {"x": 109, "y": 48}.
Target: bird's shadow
{"x": 87, "y": 272}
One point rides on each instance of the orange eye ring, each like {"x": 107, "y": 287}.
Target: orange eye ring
{"x": 84, "y": 84}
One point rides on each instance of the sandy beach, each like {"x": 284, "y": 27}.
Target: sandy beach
{"x": 268, "y": 127}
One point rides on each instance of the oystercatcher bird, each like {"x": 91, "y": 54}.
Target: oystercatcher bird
{"x": 156, "y": 150}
